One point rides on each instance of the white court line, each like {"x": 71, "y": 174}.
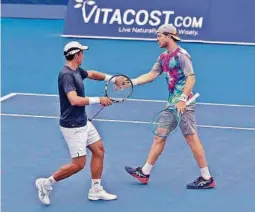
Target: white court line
{"x": 130, "y": 122}
{"x": 36, "y": 94}
{"x": 148, "y": 100}
{"x": 154, "y": 39}
{"x": 7, "y": 96}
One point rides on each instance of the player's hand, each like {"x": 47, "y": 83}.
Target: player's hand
{"x": 119, "y": 81}
{"x": 105, "y": 101}
{"x": 181, "y": 106}
{"x": 122, "y": 82}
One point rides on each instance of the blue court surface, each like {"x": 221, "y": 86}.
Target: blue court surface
{"x": 32, "y": 146}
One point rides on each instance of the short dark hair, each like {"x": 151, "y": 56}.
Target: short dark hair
{"x": 71, "y": 56}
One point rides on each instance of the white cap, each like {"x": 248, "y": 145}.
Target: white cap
{"x": 73, "y": 47}
{"x": 169, "y": 29}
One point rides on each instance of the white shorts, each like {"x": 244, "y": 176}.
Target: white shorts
{"x": 79, "y": 138}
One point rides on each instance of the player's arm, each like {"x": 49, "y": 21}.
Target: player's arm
{"x": 145, "y": 78}
{"x": 150, "y": 76}
{"x": 190, "y": 82}
{"x": 75, "y": 100}
{"x": 187, "y": 67}
{"x": 94, "y": 75}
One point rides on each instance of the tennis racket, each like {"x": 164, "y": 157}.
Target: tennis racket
{"x": 117, "y": 90}
{"x": 166, "y": 121}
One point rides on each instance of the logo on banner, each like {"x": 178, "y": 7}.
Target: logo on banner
{"x": 138, "y": 21}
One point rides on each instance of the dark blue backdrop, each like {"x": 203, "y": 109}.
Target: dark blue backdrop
{"x": 52, "y": 2}
{"x": 196, "y": 20}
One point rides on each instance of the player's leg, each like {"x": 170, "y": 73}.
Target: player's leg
{"x": 68, "y": 170}
{"x": 143, "y": 173}
{"x": 76, "y": 140}
{"x": 97, "y": 159}
{"x": 188, "y": 128}
{"x": 95, "y": 145}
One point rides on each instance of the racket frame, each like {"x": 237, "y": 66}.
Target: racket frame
{"x": 193, "y": 98}
{"x": 117, "y": 100}
{"x": 114, "y": 100}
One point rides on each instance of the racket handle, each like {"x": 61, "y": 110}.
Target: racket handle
{"x": 193, "y": 98}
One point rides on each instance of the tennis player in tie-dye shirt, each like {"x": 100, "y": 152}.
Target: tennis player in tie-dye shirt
{"x": 176, "y": 66}
{"x": 175, "y": 63}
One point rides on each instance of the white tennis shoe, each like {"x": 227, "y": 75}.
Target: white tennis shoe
{"x": 100, "y": 194}
{"x": 43, "y": 191}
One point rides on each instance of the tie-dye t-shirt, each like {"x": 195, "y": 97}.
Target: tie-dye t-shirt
{"x": 176, "y": 66}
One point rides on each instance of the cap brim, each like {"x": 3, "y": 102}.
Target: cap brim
{"x": 176, "y": 37}
{"x": 84, "y": 48}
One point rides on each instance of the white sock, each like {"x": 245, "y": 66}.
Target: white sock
{"x": 147, "y": 168}
{"x": 96, "y": 184}
{"x": 205, "y": 173}
{"x": 49, "y": 181}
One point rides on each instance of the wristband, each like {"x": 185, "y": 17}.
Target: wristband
{"x": 108, "y": 77}
{"x": 134, "y": 81}
{"x": 184, "y": 98}
{"x": 94, "y": 100}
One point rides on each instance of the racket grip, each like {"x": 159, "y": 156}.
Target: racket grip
{"x": 193, "y": 98}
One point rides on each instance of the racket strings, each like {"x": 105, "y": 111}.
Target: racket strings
{"x": 118, "y": 89}
{"x": 119, "y": 92}
{"x": 165, "y": 123}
